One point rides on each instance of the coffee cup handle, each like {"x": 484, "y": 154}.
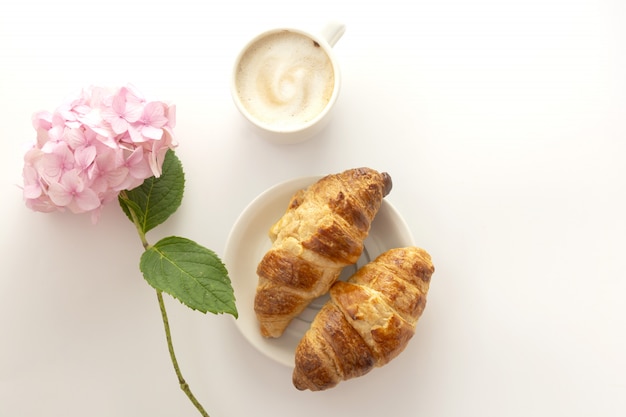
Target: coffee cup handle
{"x": 332, "y": 32}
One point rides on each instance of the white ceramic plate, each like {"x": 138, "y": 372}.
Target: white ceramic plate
{"x": 248, "y": 242}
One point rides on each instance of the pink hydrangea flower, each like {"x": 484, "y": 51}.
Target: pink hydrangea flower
{"x": 94, "y": 146}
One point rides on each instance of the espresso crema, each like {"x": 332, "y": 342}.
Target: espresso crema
{"x": 285, "y": 79}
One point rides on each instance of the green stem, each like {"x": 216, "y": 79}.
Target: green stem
{"x": 166, "y": 324}
{"x": 183, "y": 384}
{"x": 138, "y": 226}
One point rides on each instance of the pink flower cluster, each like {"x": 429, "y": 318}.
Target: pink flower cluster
{"x": 94, "y": 146}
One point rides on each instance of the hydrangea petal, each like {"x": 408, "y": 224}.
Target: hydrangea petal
{"x": 152, "y": 132}
{"x": 85, "y": 156}
{"x": 119, "y": 124}
{"x": 59, "y": 195}
{"x": 87, "y": 200}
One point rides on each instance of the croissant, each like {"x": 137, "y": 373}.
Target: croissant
{"x": 321, "y": 232}
{"x": 367, "y": 322}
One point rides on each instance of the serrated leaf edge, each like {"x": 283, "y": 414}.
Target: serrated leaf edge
{"x": 229, "y": 306}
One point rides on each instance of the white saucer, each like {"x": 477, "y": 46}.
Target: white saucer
{"x": 248, "y": 242}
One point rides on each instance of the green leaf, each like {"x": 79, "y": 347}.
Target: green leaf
{"x": 157, "y": 198}
{"x": 191, "y": 273}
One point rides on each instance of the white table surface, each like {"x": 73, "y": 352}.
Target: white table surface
{"x": 502, "y": 124}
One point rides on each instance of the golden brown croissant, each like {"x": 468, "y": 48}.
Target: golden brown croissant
{"x": 367, "y": 322}
{"x": 321, "y": 232}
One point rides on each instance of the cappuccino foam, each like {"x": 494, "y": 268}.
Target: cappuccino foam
{"x": 285, "y": 79}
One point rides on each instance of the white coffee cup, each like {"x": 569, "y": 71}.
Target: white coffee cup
{"x": 286, "y": 81}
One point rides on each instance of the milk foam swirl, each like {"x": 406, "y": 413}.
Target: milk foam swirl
{"x": 284, "y": 83}
{"x": 285, "y": 79}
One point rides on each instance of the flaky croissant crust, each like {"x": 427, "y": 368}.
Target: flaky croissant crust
{"x": 321, "y": 232}
{"x": 367, "y": 322}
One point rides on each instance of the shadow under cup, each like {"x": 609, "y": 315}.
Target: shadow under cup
{"x": 285, "y": 83}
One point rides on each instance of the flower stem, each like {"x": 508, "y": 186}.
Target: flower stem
{"x": 183, "y": 384}
{"x": 166, "y": 324}
{"x": 142, "y": 235}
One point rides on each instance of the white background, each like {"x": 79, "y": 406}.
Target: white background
{"x": 502, "y": 124}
